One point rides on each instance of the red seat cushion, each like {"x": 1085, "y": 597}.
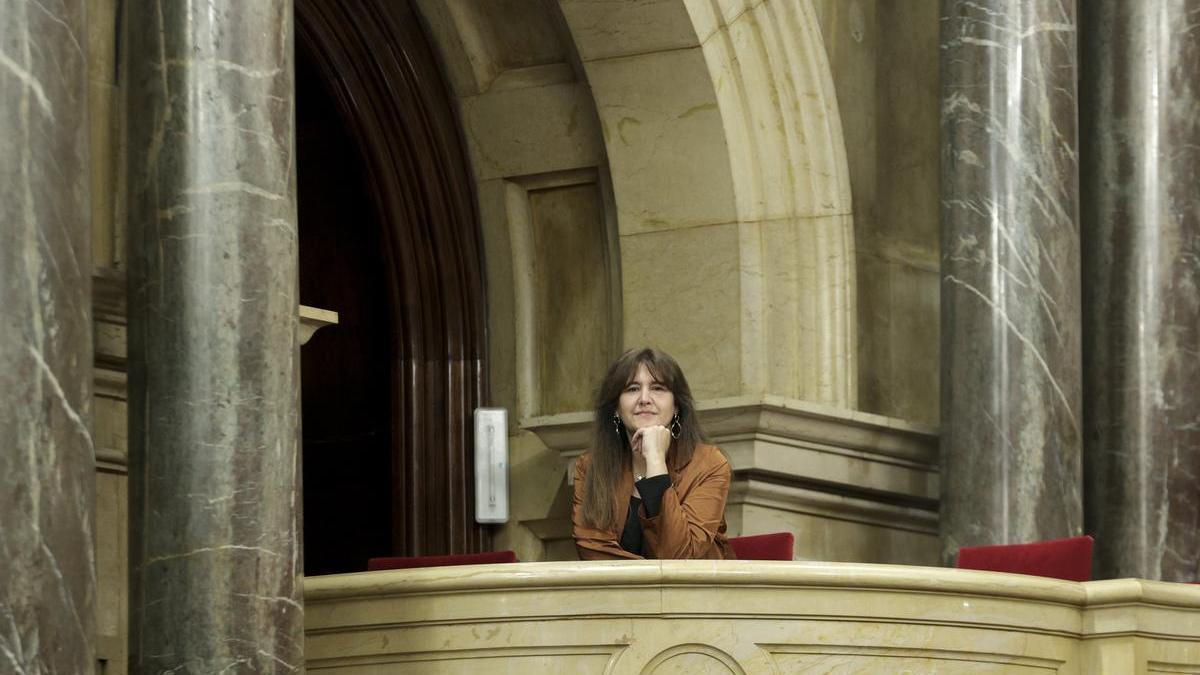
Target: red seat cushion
{"x": 775, "y": 546}
{"x": 400, "y": 563}
{"x": 1069, "y": 559}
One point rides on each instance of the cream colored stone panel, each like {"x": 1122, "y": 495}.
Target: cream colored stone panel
{"x": 112, "y": 572}
{"x": 745, "y": 616}
{"x": 809, "y": 310}
{"x": 681, "y": 294}
{"x": 537, "y": 473}
{"x": 111, "y": 425}
{"x": 755, "y": 311}
{"x": 480, "y": 42}
{"x": 604, "y": 29}
{"x": 539, "y": 646}
{"x": 665, "y": 144}
{"x": 560, "y": 248}
{"x": 900, "y": 337}
{"x": 104, "y": 127}
{"x": 501, "y": 293}
{"x": 837, "y": 503}
{"x": 533, "y": 130}
{"x": 776, "y": 51}
{"x": 463, "y": 75}
{"x": 833, "y": 537}
{"x": 780, "y": 112}
{"x": 571, "y": 264}
{"x": 835, "y": 465}
{"x": 728, "y": 10}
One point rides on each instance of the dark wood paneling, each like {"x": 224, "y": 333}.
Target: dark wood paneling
{"x": 389, "y": 89}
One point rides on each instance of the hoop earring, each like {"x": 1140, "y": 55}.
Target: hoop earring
{"x": 617, "y": 424}
{"x": 676, "y": 428}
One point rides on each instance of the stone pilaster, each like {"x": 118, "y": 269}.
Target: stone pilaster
{"x": 213, "y": 350}
{"x": 1140, "y": 111}
{"x": 47, "y": 460}
{"x": 1011, "y": 422}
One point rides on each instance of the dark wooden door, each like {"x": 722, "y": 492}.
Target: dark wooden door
{"x": 390, "y": 240}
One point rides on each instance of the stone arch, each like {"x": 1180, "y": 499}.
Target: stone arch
{"x": 724, "y": 143}
{"x": 716, "y": 126}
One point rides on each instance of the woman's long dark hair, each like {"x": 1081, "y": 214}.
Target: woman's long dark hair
{"x": 611, "y": 453}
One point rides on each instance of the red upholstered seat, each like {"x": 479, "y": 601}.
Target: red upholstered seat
{"x": 400, "y": 563}
{"x": 1069, "y": 559}
{"x": 775, "y": 546}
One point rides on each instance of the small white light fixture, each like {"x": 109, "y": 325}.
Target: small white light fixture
{"x": 491, "y": 465}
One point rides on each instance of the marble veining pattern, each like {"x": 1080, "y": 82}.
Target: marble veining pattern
{"x": 213, "y": 347}
{"x": 1010, "y": 273}
{"x": 1140, "y": 217}
{"x": 47, "y": 481}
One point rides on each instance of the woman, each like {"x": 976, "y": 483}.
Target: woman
{"x": 649, "y": 488}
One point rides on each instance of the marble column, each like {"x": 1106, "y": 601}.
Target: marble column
{"x": 1011, "y": 422}
{"x": 47, "y": 460}
{"x": 213, "y": 339}
{"x": 1140, "y": 188}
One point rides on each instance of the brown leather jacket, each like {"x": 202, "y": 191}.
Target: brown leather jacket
{"x": 691, "y": 524}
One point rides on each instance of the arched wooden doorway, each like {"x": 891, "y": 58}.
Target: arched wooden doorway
{"x": 388, "y": 238}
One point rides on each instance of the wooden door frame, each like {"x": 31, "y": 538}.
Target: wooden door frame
{"x": 374, "y": 55}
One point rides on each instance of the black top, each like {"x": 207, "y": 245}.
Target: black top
{"x": 652, "y": 490}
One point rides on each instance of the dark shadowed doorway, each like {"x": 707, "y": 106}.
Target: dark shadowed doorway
{"x": 389, "y": 239}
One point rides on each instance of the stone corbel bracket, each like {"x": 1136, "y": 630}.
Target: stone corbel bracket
{"x": 312, "y": 318}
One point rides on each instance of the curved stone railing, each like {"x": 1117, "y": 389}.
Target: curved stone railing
{"x": 743, "y": 617}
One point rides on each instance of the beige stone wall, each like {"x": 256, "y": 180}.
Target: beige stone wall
{"x": 107, "y": 148}
{"x": 884, "y": 59}
{"x": 109, "y": 410}
{"x": 724, "y": 145}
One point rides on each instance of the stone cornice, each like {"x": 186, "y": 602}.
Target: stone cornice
{"x": 773, "y": 417}
{"x": 776, "y": 415}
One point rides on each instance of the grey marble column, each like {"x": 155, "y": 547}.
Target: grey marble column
{"x": 47, "y": 461}
{"x": 213, "y": 351}
{"x": 1011, "y": 418}
{"x": 1140, "y": 187}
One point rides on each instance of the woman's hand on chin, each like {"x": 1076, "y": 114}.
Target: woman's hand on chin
{"x": 653, "y": 443}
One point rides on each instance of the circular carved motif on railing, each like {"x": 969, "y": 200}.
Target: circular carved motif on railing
{"x": 687, "y": 659}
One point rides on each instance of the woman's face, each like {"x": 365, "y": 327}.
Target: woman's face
{"x": 645, "y": 402}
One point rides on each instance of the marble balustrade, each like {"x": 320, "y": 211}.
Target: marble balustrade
{"x": 743, "y": 617}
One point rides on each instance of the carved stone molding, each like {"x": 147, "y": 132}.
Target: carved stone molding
{"x": 788, "y": 422}
{"x": 796, "y": 460}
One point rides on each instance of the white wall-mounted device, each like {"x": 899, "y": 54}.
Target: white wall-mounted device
{"x": 491, "y": 465}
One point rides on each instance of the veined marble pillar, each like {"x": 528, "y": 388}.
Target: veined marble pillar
{"x": 47, "y": 461}
{"x": 1140, "y": 182}
{"x": 213, "y": 349}
{"x": 1011, "y": 423}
